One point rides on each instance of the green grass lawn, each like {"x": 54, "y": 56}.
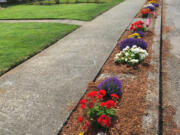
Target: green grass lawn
{"x": 19, "y": 41}
{"x": 83, "y": 11}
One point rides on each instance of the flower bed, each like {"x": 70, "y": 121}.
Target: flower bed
{"x": 116, "y": 105}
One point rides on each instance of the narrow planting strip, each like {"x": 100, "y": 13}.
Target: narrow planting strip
{"x": 141, "y": 87}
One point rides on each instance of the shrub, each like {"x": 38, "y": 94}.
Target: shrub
{"x": 111, "y": 86}
{"x": 133, "y": 41}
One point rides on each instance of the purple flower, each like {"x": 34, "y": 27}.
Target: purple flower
{"x": 133, "y": 41}
{"x": 156, "y": 4}
{"x": 141, "y": 33}
{"x": 151, "y": 8}
{"x": 111, "y": 85}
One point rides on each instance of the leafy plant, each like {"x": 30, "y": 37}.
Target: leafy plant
{"x": 133, "y": 41}
{"x": 96, "y": 112}
{"x": 111, "y": 86}
{"x": 131, "y": 56}
{"x": 145, "y": 12}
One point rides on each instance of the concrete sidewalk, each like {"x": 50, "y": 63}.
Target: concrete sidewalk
{"x": 66, "y": 21}
{"x": 171, "y": 62}
{"x": 36, "y": 97}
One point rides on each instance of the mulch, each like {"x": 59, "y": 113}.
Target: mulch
{"x": 132, "y": 105}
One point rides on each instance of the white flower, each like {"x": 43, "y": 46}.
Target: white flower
{"x": 134, "y": 61}
{"x": 142, "y": 56}
{"x": 126, "y": 59}
{"x": 135, "y": 50}
{"x": 127, "y": 47}
{"x": 126, "y": 54}
{"x": 148, "y": 5}
{"x": 134, "y": 46}
{"x": 132, "y": 55}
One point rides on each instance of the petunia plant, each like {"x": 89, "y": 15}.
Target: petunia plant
{"x": 131, "y": 56}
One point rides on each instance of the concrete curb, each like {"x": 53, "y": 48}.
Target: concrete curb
{"x": 151, "y": 119}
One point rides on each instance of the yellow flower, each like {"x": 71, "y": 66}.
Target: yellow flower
{"x": 152, "y": 1}
{"x": 81, "y": 133}
{"x": 134, "y": 35}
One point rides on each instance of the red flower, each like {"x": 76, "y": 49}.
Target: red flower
{"x": 80, "y": 119}
{"x": 141, "y": 22}
{"x": 83, "y": 101}
{"x": 132, "y": 28}
{"x": 92, "y": 94}
{"x": 100, "y": 97}
{"x": 103, "y": 104}
{"x": 139, "y": 26}
{"x": 104, "y": 120}
{"x": 114, "y": 96}
{"x": 82, "y": 106}
{"x": 110, "y": 103}
{"x": 87, "y": 123}
{"x": 90, "y": 105}
{"x": 145, "y": 11}
{"x": 102, "y": 92}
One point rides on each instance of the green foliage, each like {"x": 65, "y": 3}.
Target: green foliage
{"x": 96, "y": 111}
{"x": 19, "y": 41}
{"x": 63, "y": 11}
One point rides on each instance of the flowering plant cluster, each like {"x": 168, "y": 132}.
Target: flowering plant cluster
{"x": 138, "y": 26}
{"x": 111, "y": 86}
{"x": 153, "y": 2}
{"x": 131, "y": 56}
{"x": 150, "y": 6}
{"x": 133, "y": 41}
{"x": 145, "y": 12}
{"x": 98, "y": 111}
{"x": 134, "y": 35}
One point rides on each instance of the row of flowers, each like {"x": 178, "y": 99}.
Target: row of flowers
{"x": 98, "y": 107}
{"x": 133, "y": 50}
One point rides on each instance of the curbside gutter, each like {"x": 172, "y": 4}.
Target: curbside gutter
{"x": 151, "y": 119}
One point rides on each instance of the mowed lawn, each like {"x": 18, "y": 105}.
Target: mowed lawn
{"x": 80, "y": 11}
{"x": 19, "y": 41}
